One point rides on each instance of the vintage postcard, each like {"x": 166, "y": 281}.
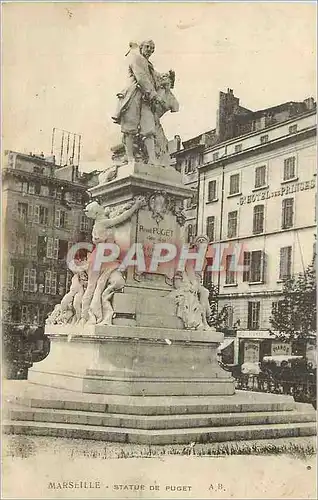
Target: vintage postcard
{"x": 159, "y": 250}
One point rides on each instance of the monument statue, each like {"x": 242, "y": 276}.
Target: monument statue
{"x": 69, "y": 310}
{"x": 137, "y": 325}
{"x": 145, "y": 99}
{"x": 191, "y": 297}
{"x": 107, "y": 218}
{"x": 89, "y": 298}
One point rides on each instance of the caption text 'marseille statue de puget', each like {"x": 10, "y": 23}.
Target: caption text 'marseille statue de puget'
{"x": 140, "y": 106}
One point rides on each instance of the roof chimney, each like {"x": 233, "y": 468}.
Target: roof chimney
{"x": 178, "y": 142}
{"x": 310, "y": 103}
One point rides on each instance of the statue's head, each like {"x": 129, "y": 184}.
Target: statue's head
{"x": 167, "y": 80}
{"x": 132, "y": 46}
{"x": 93, "y": 210}
{"x": 147, "y": 48}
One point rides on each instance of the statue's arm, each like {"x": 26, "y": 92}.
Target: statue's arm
{"x": 115, "y": 221}
{"x": 139, "y": 67}
{"x": 174, "y": 105}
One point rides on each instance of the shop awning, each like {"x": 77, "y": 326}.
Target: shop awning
{"x": 226, "y": 343}
{"x": 281, "y": 357}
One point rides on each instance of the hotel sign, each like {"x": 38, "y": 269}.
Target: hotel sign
{"x": 288, "y": 189}
{"x": 254, "y": 334}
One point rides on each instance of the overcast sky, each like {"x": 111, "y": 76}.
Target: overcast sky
{"x": 64, "y": 63}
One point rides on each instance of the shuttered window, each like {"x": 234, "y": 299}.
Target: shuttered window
{"x": 258, "y": 219}
{"x": 260, "y": 176}
{"x": 29, "y": 280}
{"x": 189, "y": 233}
{"x": 210, "y": 227}
{"x": 47, "y": 285}
{"x": 212, "y": 191}
{"x": 11, "y": 278}
{"x": 25, "y": 314}
{"x": 234, "y": 183}
{"x": 36, "y": 214}
{"x": 287, "y": 213}
{"x": 232, "y": 224}
{"x": 254, "y": 266}
{"x": 26, "y": 278}
{"x": 253, "y": 315}
{"x": 229, "y": 270}
{"x": 44, "y": 215}
{"x": 289, "y": 168}
{"x": 84, "y": 223}
{"x": 285, "y": 262}
{"x": 32, "y": 281}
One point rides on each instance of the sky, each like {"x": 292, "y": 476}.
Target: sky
{"x": 63, "y": 64}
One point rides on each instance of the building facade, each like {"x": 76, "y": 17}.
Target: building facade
{"x": 258, "y": 210}
{"x": 254, "y": 184}
{"x": 232, "y": 121}
{"x": 42, "y": 216}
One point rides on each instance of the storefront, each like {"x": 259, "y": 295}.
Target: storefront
{"x": 253, "y": 345}
{"x": 250, "y": 346}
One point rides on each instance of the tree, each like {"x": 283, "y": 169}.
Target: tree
{"x": 218, "y": 318}
{"x": 294, "y": 318}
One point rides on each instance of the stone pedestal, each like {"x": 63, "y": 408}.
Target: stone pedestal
{"x": 156, "y": 222}
{"x": 147, "y": 350}
{"x": 133, "y": 361}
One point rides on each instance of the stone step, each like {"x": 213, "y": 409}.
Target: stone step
{"x": 160, "y": 437}
{"x": 160, "y": 406}
{"x": 159, "y": 421}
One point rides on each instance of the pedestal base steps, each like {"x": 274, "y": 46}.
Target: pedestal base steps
{"x": 43, "y": 411}
{"x": 133, "y": 361}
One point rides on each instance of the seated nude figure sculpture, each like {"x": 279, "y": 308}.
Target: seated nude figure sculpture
{"x": 69, "y": 310}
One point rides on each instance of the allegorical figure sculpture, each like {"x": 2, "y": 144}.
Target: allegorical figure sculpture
{"x": 96, "y": 306}
{"x": 89, "y": 298}
{"x": 191, "y": 297}
{"x": 142, "y": 103}
{"x": 166, "y": 102}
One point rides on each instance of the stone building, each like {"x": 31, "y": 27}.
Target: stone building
{"x": 42, "y": 216}
{"x": 254, "y": 183}
{"x": 257, "y": 194}
{"x": 232, "y": 121}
